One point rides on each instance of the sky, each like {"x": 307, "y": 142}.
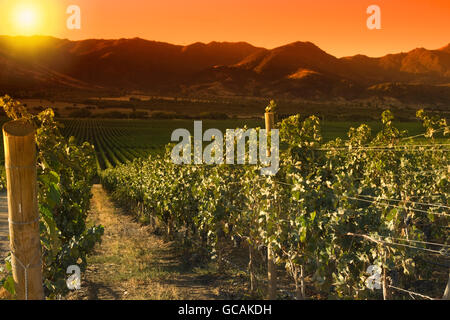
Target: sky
{"x": 337, "y": 26}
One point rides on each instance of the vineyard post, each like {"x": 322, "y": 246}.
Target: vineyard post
{"x": 271, "y": 267}
{"x": 447, "y": 290}
{"x": 23, "y": 214}
{"x": 385, "y": 283}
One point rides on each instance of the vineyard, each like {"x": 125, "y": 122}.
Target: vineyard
{"x": 115, "y": 142}
{"x": 338, "y": 208}
{"x": 119, "y": 141}
{"x": 332, "y": 211}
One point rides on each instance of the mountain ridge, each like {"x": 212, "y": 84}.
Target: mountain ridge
{"x": 298, "y": 69}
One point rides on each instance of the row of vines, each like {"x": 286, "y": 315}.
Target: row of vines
{"x": 65, "y": 174}
{"x": 333, "y": 210}
{"x": 114, "y": 145}
{"x": 2, "y": 161}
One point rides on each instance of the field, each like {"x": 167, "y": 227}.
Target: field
{"x": 378, "y": 197}
{"x": 147, "y": 154}
{"x": 333, "y": 212}
{"x": 117, "y": 141}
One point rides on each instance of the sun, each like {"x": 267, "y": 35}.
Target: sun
{"x": 32, "y": 17}
{"x": 26, "y": 18}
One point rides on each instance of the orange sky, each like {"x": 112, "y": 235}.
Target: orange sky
{"x": 337, "y": 26}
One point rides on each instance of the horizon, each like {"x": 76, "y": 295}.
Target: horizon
{"x": 215, "y": 41}
{"x": 338, "y": 28}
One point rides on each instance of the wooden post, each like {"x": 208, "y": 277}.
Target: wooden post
{"x": 270, "y": 123}
{"x": 271, "y": 267}
{"x": 251, "y": 268}
{"x": 385, "y": 282}
{"x": 447, "y": 290}
{"x": 302, "y": 283}
{"x": 23, "y": 214}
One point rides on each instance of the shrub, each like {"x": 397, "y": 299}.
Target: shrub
{"x": 65, "y": 175}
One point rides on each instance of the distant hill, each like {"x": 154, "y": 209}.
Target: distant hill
{"x": 296, "y": 70}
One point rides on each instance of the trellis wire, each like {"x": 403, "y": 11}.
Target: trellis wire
{"x": 383, "y": 242}
{"x": 372, "y": 202}
{"x": 367, "y": 237}
{"x": 397, "y": 207}
{"x": 422, "y": 134}
{"x": 349, "y": 150}
{"x": 411, "y": 292}
{"x": 422, "y": 242}
{"x": 408, "y": 201}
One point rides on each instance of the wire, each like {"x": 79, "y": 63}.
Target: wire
{"x": 286, "y": 184}
{"x": 387, "y": 204}
{"x": 419, "y": 174}
{"x": 411, "y": 292}
{"x": 398, "y": 207}
{"x": 422, "y": 134}
{"x": 429, "y": 196}
{"x": 407, "y": 201}
{"x": 380, "y": 241}
{"x": 414, "y": 247}
{"x": 422, "y": 242}
{"x": 381, "y": 149}
{"x": 412, "y": 147}
{"x": 405, "y": 146}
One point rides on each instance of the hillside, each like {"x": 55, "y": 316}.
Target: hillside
{"x": 296, "y": 70}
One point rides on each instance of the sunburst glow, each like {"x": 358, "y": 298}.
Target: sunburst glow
{"x": 26, "y": 18}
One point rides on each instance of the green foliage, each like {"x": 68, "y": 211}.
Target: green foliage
{"x": 65, "y": 173}
{"x": 272, "y": 107}
{"x": 308, "y": 210}
{"x": 2, "y": 178}
{"x": 7, "y": 281}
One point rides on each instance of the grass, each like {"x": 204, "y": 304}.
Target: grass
{"x": 127, "y": 260}
{"x": 134, "y": 263}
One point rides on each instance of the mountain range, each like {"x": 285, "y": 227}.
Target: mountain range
{"x": 296, "y": 70}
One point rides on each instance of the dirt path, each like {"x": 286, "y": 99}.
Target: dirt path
{"x": 133, "y": 263}
{"x": 4, "y": 229}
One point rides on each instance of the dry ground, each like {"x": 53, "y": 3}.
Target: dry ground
{"x": 133, "y": 263}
